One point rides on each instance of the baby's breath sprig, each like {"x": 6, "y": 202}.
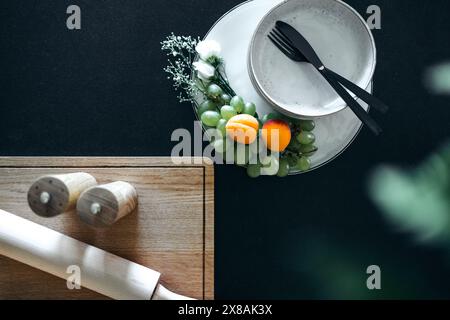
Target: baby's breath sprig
{"x": 181, "y": 53}
{"x": 188, "y": 56}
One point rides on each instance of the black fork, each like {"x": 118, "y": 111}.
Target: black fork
{"x": 286, "y": 47}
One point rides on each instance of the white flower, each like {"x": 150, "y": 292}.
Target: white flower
{"x": 208, "y": 49}
{"x": 205, "y": 71}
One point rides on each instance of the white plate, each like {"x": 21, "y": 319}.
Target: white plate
{"x": 340, "y": 37}
{"x": 234, "y": 31}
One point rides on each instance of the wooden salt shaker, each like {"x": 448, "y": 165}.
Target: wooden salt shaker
{"x": 54, "y": 194}
{"x": 103, "y": 205}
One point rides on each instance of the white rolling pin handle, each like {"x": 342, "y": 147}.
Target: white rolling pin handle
{"x": 53, "y": 252}
{"x": 162, "y": 293}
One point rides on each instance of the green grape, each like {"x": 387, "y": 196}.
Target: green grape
{"x": 307, "y": 125}
{"x": 308, "y": 149}
{"x": 254, "y": 170}
{"x": 292, "y": 160}
{"x": 289, "y": 121}
{"x": 206, "y": 105}
{"x": 306, "y": 137}
{"x": 238, "y": 104}
{"x": 221, "y": 127}
{"x": 269, "y": 116}
{"x": 294, "y": 145}
{"x": 214, "y": 91}
{"x": 303, "y": 164}
{"x": 250, "y": 108}
{"x": 225, "y": 98}
{"x": 284, "y": 167}
{"x": 220, "y": 146}
{"x": 210, "y": 118}
{"x": 227, "y": 112}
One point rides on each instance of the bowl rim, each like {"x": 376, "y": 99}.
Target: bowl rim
{"x": 259, "y": 88}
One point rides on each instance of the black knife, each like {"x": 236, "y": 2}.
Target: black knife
{"x": 305, "y": 48}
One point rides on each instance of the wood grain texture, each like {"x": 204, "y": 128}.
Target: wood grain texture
{"x": 110, "y": 203}
{"x": 172, "y": 230}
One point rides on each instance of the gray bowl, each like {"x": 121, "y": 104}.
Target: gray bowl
{"x": 340, "y": 37}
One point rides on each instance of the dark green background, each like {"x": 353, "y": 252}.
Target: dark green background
{"x": 102, "y": 91}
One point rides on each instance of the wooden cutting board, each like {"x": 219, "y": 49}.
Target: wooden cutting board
{"x": 171, "y": 231}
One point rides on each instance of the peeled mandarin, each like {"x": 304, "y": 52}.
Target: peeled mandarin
{"x": 243, "y": 128}
{"x": 276, "y": 134}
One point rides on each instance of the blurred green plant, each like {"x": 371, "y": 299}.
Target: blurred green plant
{"x": 437, "y": 78}
{"x": 417, "y": 200}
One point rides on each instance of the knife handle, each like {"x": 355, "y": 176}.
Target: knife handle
{"x": 359, "y": 92}
{"x": 352, "y": 104}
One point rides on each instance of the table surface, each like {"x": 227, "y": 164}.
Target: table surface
{"x": 101, "y": 91}
{"x": 171, "y": 231}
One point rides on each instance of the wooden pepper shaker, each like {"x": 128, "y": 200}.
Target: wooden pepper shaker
{"x": 103, "y": 205}
{"x": 54, "y": 194}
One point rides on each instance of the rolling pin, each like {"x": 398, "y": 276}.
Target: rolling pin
{"x": 103, "y": 272}
{"x": 103, "y": 205}
{"x": 51, "y": 195}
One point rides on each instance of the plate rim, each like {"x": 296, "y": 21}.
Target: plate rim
{"x": 294, "y": 173}
{"x": 279, "y": 108}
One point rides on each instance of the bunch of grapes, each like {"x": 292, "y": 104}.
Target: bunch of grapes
{"x": 219, "y": 107}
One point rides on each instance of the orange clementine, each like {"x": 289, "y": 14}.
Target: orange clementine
{"x": 276, "y": 134}
{"x": 242, "y": 128}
